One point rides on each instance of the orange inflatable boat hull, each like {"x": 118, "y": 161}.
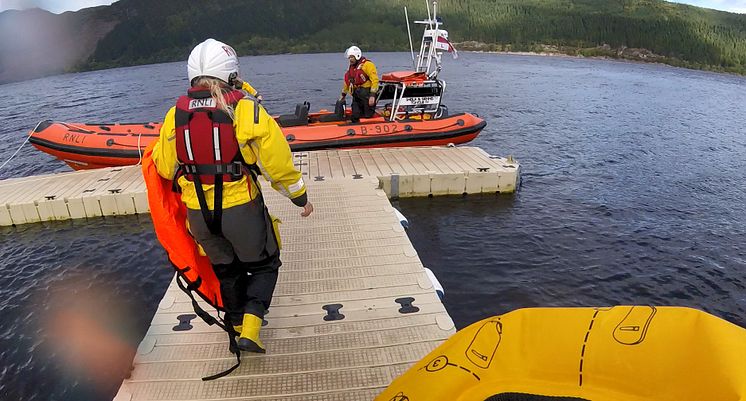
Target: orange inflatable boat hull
{"x": 88, "y": 146}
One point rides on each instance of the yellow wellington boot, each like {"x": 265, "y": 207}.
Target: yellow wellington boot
{"x": 238, "y": 329}
{"x": 249, "y": 340}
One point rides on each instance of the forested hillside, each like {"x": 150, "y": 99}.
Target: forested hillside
{"x": 652, "y": 30}
{"x": 674, "y": 33}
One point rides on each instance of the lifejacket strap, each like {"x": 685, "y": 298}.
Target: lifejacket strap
{"x": 217, "y": 206}
{"x": 204, "y": 315}
{"x": 211, "y": 320}
{"x": 235, "y": 169}
{"x": 233, "y": 346}
{"x": 209, "y": 219}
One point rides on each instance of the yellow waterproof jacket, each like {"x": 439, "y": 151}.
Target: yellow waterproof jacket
{"x": 370, "y": 71}
{"x": 262, "y": 144}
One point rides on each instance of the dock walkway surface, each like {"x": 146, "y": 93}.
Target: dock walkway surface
{"x": 354, "y": 307}
{"x": 401, "y": 172}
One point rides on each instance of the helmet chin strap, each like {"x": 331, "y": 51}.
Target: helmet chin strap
{"x": 232, "y": 77}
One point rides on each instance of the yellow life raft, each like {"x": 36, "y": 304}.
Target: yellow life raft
{"x": 622, "y": 353}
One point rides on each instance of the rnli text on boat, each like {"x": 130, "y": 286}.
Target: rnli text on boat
{"x": 73, "y": 138}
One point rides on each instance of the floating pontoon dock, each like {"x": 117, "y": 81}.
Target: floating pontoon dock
{"x": 353, "y": 308}
{"x": 401, "y": 172}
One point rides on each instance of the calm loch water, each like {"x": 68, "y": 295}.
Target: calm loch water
{"x": 633, "y": 192}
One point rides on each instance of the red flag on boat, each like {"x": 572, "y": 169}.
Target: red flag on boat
{"x": 444, "y": 44}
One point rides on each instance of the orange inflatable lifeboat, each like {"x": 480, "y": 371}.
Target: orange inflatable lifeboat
{"x": 87, "y": 146}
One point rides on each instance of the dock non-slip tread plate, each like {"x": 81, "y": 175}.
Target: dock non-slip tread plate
{"x": 278, "y": 364}
{"x": 266, "y": 386}
{"x": 298, "y": 346}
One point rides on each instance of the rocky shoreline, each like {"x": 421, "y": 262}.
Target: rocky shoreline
{"x": 603, "y": 52}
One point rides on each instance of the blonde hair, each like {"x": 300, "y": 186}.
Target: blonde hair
{"x": 217, "y": 89}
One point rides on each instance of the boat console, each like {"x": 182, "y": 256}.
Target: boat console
{"x": 408, "y": 94}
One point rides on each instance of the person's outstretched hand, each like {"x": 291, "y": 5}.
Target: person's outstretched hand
{"x": 307, "y": 210}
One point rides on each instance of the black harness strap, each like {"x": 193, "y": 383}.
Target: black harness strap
{"x": 213, "y": 224}
{"x": 232, "y": 368}
{"x": 235, "y": 169}
{"x": 254, "y": 171}
{"x": 210, "y": 320}
{"x": 188, "y": 289}
{"x": 217, "y": 206}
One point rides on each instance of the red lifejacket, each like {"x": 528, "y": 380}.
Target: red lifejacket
{"x": 355, "y": 76}
{"x": 206, "y": 144}
{"x": 207, "y": 149}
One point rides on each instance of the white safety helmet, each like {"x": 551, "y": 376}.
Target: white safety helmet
{"x": 212, "y": 58}
{"x": 353, "y": 51}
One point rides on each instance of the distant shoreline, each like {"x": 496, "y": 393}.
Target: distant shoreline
{"x": 600, "y": 58}
{"x": 569, "y": 56}
{"x": 604, "y": 52}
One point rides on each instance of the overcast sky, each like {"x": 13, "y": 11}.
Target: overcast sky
{"x": 734, "y": 6}
{"x": 59, "y": 6}
{"x": 55, "y": 6}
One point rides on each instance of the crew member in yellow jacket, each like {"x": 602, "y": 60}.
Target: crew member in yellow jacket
{"x": 360, "y": 81}
{"x": 213, "y": 143}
